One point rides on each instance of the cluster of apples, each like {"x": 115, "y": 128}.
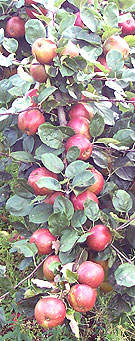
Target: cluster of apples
{"x": 50, "y": 311}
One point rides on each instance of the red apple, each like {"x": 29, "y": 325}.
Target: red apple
{"x": 38, "y": 72}
{"x": 91, "y": 2}
{"x": 44, "y": 50}
{"x": 90, "y": 273}
{"x": 116, "y": 43}
{"x": 100, "y": 238}
{"x": 128, "y": 26}
{"x": 80, "y": 125}
{"x": 81, "y": 109}
{"x": 70, "y": 50}
{"x": 50, "y": 312}
{"x": 133, "y": 100}
{"x": 52, "y": 197}
{"x": 78, "y": 202}
{"x": 36, "y": 175}
{"x": 15, "y": 27}
{"x": 102, "y": 61}
{"x": 29, "y": 2}
{"x": 31, "y": 93}
{"x": 78, "y": 21}
{"x": 46, "y": 271}
{"x": 30, "y": 120}
{"x": 43, "y": 239}
{"x": 31, "y": 10}
{"x": 99, "y": 181}
{"x": 82, "y": 297}
{"x": 82, "y": 143}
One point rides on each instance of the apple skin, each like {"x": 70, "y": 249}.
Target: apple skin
{"x": 81, "y": 109}
{"x": 90, "y": 273}
{"x": 78, "y": 21}
{"x": 133, "y": 100}
{"x": 35, "y": 175}
{"x": 52, "y": 197}
{"x": 30, "y": 120}
{"x": 116, "y": 43}
{"x": 50, "y": 312}
{"x": 100, "y": 238}
{"x": 15, "y": 27}
{"x": 82, "y": 297}
{"x": 31, "y": 10}
{"x": 38, "y": 72}
{"x": 29, "y": 2}
{"x": 31, "y": 93}
{"x": 44, "y": 50}
{"x": 128, "y": 26}
{"x": 78, "y": 202}
{"x": 80, "y": 125}
{"x": 102, "y": 61}
{"x": 82, "y": 143}
{"x": 46, "y": 271}
{"x": 43, "y": 239}
{"x": 70, "y": 50}
{"x": 99, "y": 181}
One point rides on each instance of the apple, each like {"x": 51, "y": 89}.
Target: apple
{"x": 70, "y": 50}
{"x": 128, "y": 26}
{"x": 116, "y": 43}
{"x": 50, "y": 312}
{"x": 100, "y": 238}
{"x": 103, "y": 263}
{"x": 78, "y": 21}
{"x": 102, "y": 61}
{"x": 31, "y": 93}
{"x": 90, "y": 273}
{"x": 99, "y": 181}
{"x": 52, "y": 197}
{"x": 80, "y": 125}
{"x": 30, "y": 120}
{"x": 29, "y": 2}
{"x": 78, "y": 202}
{"x": 82, "y": 143}
{"x": 133, "y": 100}
{"x": 37, "y": 174}
{"x": 30, "y": 11}
{"x": 44, "y": 50}
{"x": 91, "y": 2}
{"x": 82, "y": 297}
{"x": 15, "y": 27}
{"x": 46, "y": 271}
{"x": 38, "y": 72}
{"x": 43, "y": 239}
{"x": 81, "y": 109}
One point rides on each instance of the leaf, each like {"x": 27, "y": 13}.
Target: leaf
{"x": 123, "y": 4}
{"x": 68, "y": 240}
{"x": 50, "y": 135}
{"x": 106, "y": 113}
{"x": 2, "y": 318}
{"x": 40, "y": 213}
{"x": 114, "y": 60}
{"x": 5, "y": 283}
{"x": 122, "y": 201}
{"x": 125, "y": 275}
{"x": 84, "y": 179}
{"x": 43, "y": 284}
{"x": 58, "y": 222}
{"x": 23, "y": 189}
{"x": 18, "y": 206}
{"x": 72, "y": 153}
{"x": 130, "y": 40}
{"x": 91, "y": 210}
{"x": 124, "y": 136}
{"x": 10, "y": 44}
{"x": 88, "y": 18}
{"x": 34, "y": 29}
{"x": 128, "y": 75}
{"x": 73, "y": 325}
{"x": 75, "y": 167}
{"x": 83, "y": 238}
{"x": 46, "y": 93}
{"x": 50, "y": 183}
{"x": 97, "y": 125}
{"x": 63, "y": 204}
{"x": 25, "y": 263}
{"x": 111, "y": 14}
{"x": 23, "y": 246}
{"x": 52, "y": 162}
{"x": 22, "y": 156}
{"x": 78, "y": 219}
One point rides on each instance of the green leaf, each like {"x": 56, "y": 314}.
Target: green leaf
{"x": 122, "y": 201}
{"x": 106, "y": 113}
{"x": 111, "y": 14}
{"x": 114, "y": 60}
{"x": 75, "y": 167}
{"x": 128, "y": 75}
{"x": 88, "y": 18}
{"x": 5, "y": 283}
{"x": 50, "y": 135}
{"x": 124, "y": 137}
{"x": 130, "y": 40}
{"x": 84, "y": 179}
{"x": 18, "y": 206}
{"x": 46, "y": 93}
{"x": 10, "y": 44}
{"x": 23, "y": 189}
{"x": 123, "y": 4}
{"x": 83, "y": 238}
{"x": 49, "y": 183}
{"x": 22, "y": 156}
{"x": 52, "y": 162}
{"x": 34, "y": 29}
{"x": 72, "y": 277}
{"x": 68, "y": 240}
{"x": 70, "y": 19}
{"x": 108, "y": 140}
{"x": 72, "y": 153}
{"x": 97, "y": 125}
{"x": 58, "y": 222}
{"x": 125, "y": 275}
{"x": 40, "y": 213}
{"x": 2, "y": 318}
{"x": 91, "y": 210}
{"x": 63, "y": 204}
{"x": 78, "y": 219}
{"x": 23, "y": 246}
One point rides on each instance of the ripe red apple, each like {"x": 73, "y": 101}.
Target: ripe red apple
{"x": 128, "y": 26}
{"x": 78, "y": 21}
{"x": 81, "y": 109}
{"x": 100, "y": 238}
{"x": 46, "y": 271}
{"x": 102, "y": 61}
{"x": 78, "y": 202}
{"x": 31, "y": 93}
{"x": 82, "y": 143}
{"x": 116, "y": 43}
{"x": 90, "y": 273}
{"x": 70, "y": 50}
{"x": 37, "y": 174}
{"x": 133, "y": 100}
{"x": 43, "y": 239}
{"x": 15, "y": 27}
{"x": 52, "y": 197}
{"x": 31, "y": 10}
{"x": 30, "y": 120}
{"x": 50, "y": 312}
{"x": 99, "y": 181}
{"x": 29, "y": 2}
{"x": 38, "y": 72}
{"x": 44, "y": 50}
{"x": 80, "y": 125}
{"x": 82, "y": 297}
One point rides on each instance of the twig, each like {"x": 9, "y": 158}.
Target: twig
{"x": 125, "y": 224}
{"x": 121, "y": 254}
{"x": 61, "y": 112}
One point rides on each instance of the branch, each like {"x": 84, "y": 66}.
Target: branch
{"x": 61, "y": 112}
{"x": 121, "y": 254}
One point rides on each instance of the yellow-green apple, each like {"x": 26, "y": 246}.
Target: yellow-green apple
{"x": 44, "y": 50}
{"x": 116, "y": 43}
